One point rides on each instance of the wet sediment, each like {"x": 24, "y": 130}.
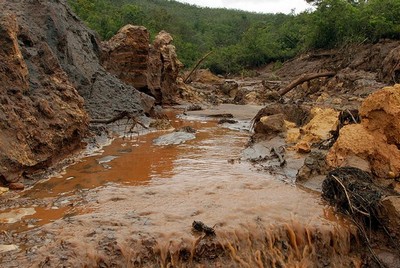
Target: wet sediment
{"x": 141, "y": 210}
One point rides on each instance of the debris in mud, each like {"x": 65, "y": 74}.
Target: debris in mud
{"x": 351, "y": 191}
{"x": 194, "y": 107}
{"x": 227, "y": 121}
{"x": 304, "y": 78}
{"x": 278, "y": 153}
{"x": 187, "y": 129}
{"x": 200, "y": 227}
{"x": 16, "y": 186}
{"x": 347, "y": 117}
{"x": 6, "y": 248}
{"x": 221, "y": 115}
{"x": 314, "y": 165}
{"x": 16, "y": 215}
{"x": 160, "y": 124}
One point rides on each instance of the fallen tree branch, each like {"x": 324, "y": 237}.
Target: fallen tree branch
{"x": 282, "y": 160}
{"x": 302, "y": 79}
{"x": 196, "y": 66}
{"x": 121, "y": 115}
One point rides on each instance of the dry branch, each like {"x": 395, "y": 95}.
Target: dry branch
{"x": 196, "y": 66}
{"x": 302, "y": 79}
{"x": 121, "y": 115}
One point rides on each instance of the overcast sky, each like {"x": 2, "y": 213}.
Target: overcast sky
{"x": 264, "y": 6}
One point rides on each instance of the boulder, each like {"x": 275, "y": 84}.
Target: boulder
{"x": 314, "y": 165}
{"x": 152, "y": 69}
{"x": 324, "y": 120}
{"x": 164, "y": 67}
{"x": 230, "y": 88}
{"x": 376, "y": 139}
{"x": 16, "y": 186}
{"x": 303, "y": 147}
{"x": 126, "y": 55}
{"x": 270, "y": 126}
{"x": 380, "y": 113}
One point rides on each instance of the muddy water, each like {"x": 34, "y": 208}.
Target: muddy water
{"x": 142, "y": 200}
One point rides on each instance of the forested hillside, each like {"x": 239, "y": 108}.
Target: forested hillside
{"x": 242, "y": 40}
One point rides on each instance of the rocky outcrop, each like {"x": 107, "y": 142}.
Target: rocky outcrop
{"x": 50, "y": 77}
{"x": 41, "y": 111}
{"x": 376, "y": 139}
{"x": 152, "y": 69}
{"x": 163, "y": 54}
{"x": 76, "y": 49}
{"x": 126, "y": 55}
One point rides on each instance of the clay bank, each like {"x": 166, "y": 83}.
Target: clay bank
{"x": 295, "y": 167}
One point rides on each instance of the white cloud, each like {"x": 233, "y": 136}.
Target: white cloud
{"x": 262, "y": 6}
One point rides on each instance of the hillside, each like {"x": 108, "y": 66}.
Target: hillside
{"x": 242, "y": 40}
{"x": 196, "y": 30}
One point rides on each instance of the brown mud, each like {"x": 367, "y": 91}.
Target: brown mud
{"x": 137, "y": 211}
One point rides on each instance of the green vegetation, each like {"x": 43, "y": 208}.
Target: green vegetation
{"x": 242, "y": 40}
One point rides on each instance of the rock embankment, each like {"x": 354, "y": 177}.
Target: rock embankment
{"x": 51, "y": 81}
{"x": 377, "y": 139}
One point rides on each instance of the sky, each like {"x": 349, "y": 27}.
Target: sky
{"x": 263, "y": 6}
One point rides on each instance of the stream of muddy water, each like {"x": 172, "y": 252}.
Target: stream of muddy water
{"x": 133, "y": 205}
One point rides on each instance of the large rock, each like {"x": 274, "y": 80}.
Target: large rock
{"x": 270, "y": 126}
{"x": 163, "y": 69}
{"x": 126, "y": 55}
{"x": 324, "y": 120}
{"x": 153, "y": 69}
{"x": 377, "y": 138}
{"x": 380, "y": 114}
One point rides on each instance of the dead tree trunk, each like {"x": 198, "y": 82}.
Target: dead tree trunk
{"x": 302, "y": 79}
